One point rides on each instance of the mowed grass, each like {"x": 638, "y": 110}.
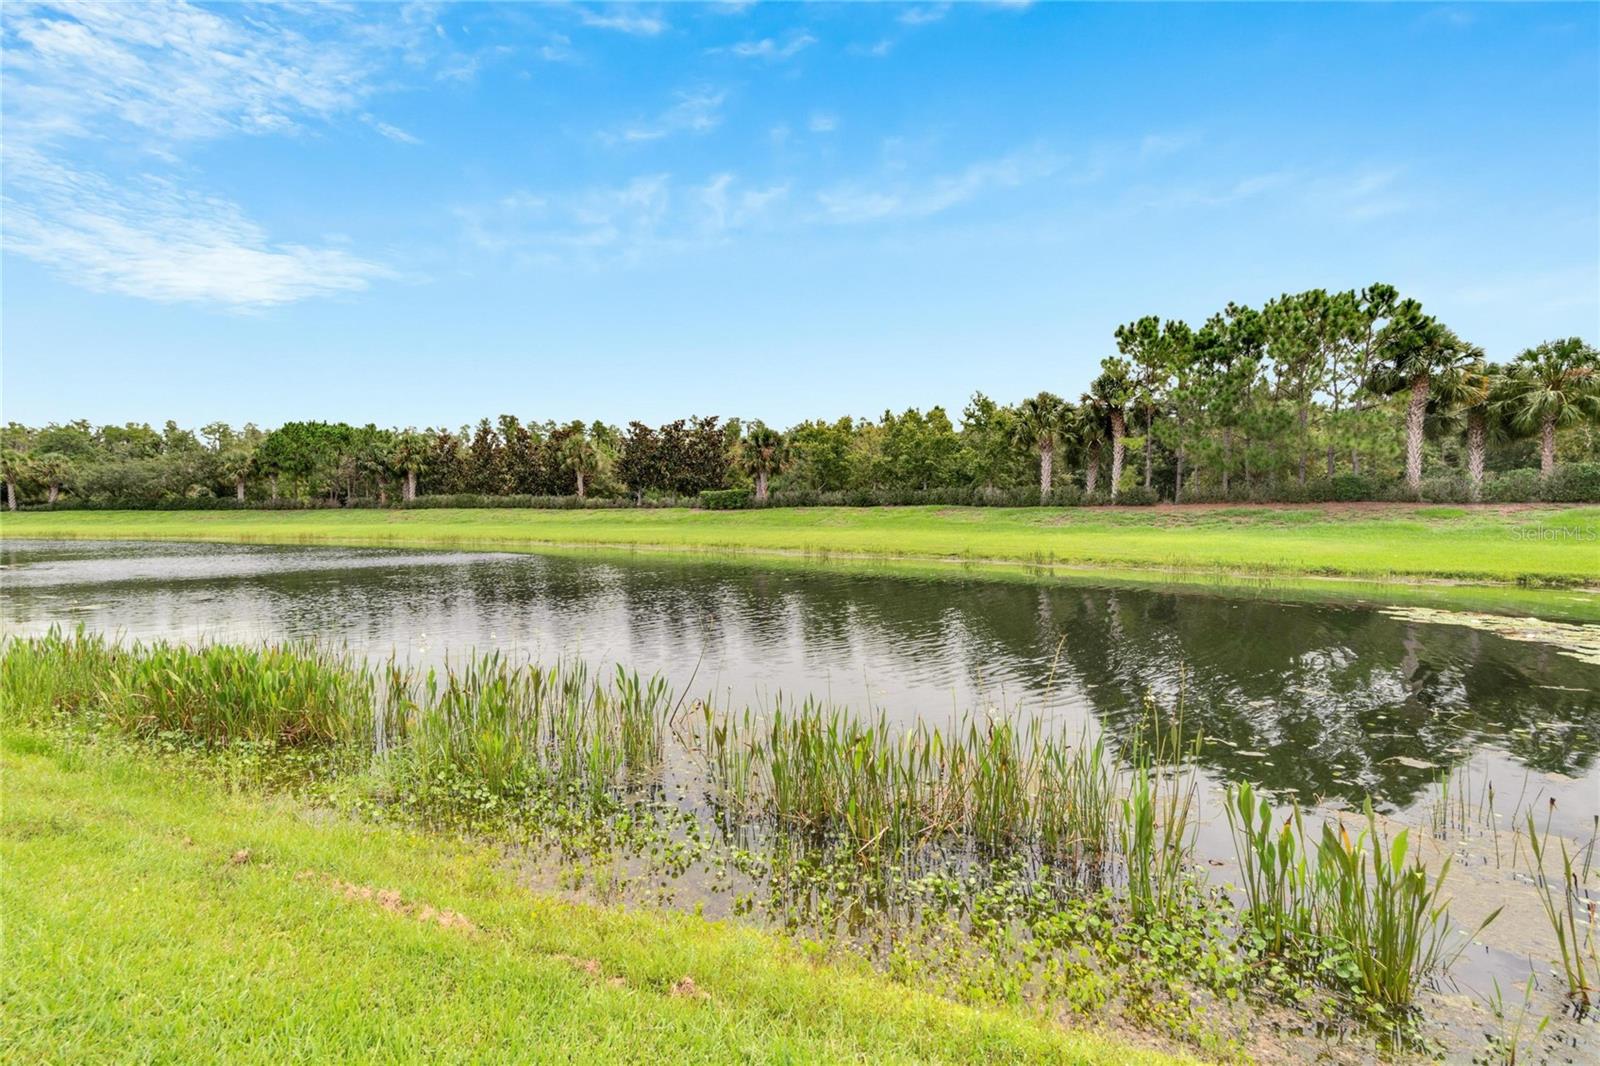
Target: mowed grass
{"x": 149, "y": 917}
{"x": 1540, "y": 544}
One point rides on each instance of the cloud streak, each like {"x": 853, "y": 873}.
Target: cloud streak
{"x": 150, "y": 238}
{"x": 632, "y": 23}
{"x": 85, "y": 82}
{"x": 694, "y": 111}
{"x": 859, "y": 202}
{"x": 768, "y": 48}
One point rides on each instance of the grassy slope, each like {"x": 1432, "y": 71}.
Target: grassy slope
{"x": 1486, "y": 544}
{"x": 131, "y": 935}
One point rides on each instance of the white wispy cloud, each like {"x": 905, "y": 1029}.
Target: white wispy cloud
{"x": 728, "y": 205}
{"x": 1359, "y": 195}
{"x": 623, "y": 21}
{"x": 150, "y": 238}
{"x": 651, "y": 214}
{"x": 876, "y": 50}
{"x": 173, "y": 71}
{"x": 394, "y": 133}
{"x": 922, "y": 16}
{"x": 769, "y": 48}
{"x": 85, "y": 83}
{"x": 901, "y": 197}
{"x": 822, "y": 122}
{"x": 694, "y": 111}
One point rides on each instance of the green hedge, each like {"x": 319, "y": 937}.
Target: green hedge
{"x": 725, "y": 499}
{"x": 1571, "y": 483}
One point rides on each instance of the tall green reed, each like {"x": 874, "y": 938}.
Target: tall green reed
{"x": 1580, "y": 960}
{"x": 288, "y": 695}
{"x": 1366, "y": 909}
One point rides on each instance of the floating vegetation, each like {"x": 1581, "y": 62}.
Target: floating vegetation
{"x": 1580, "y": 641}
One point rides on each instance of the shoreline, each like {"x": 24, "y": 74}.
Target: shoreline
{"x": 1557, "y": 590}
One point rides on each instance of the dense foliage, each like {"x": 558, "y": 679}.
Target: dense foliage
{"x": 1315, "y": 396}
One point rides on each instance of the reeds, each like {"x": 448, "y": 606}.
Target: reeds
{"x": 980, "y": 783}
{"x": 1367, "y": 907}
{"x": 983, "y": 787}
{"x": 287, "y": 695}
{"x": 512, "y": 727}
{"x": 1580, "y": 962}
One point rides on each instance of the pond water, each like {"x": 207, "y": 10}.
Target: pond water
{"x": 1330, "y": 702}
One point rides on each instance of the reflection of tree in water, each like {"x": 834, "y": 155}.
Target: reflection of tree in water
{"x": 1326, "y": 700}
{"x": 1322, "y": 700}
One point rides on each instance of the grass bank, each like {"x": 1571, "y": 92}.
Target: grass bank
{"x": 1551, "y": 545}
{"x": 154, "y": 917}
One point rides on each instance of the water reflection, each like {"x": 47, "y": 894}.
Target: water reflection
{"x": 1327, "y": 701}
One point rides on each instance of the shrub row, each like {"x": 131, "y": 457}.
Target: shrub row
{"x": 1572, "y": 483}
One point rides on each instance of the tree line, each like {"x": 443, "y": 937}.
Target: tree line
{"x": 1352, "y": 395}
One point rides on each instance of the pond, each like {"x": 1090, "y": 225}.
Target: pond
{"x": 1326, "y": 704}
{"x": 1330, "y": 702}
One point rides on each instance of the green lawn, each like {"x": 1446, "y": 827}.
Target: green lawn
{"x": 1551, "y": 544}
{"x": 149, "y": 917}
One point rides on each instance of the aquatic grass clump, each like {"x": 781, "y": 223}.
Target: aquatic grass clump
{"x": 54, "y": 676}
{"x": 511, "y": 727}
{"x": 1274, "y": 866}
{"x": 1365, "y": 911}
{"x": 982, "y": 784}
{"x": 285, "y": 695}
{"x": 1580, "y": 958}
{"x": 1157, "y": 826}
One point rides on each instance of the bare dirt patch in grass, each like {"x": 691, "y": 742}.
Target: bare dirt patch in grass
{"x": 391, "y": 901}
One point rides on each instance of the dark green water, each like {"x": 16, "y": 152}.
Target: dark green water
{"x": 1330, "y": 702}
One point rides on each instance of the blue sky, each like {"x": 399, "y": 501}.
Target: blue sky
{"x": 425, "y": 214}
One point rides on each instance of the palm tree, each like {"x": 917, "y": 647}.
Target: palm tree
{"x": 14, "y": 466}
{"x": 762, "y": 453}
{"x": 55, "y": 470}
{"x": 1413, "y": 349}
{"x": 237, "y": 462}
{"x": 407, "y": 454}
{"x": 583, "y": 457}
{"x": 1552, "y": 386}
{"x": 1112, "y": 391}
{"x": 1038, "y": 426}
{"x": 1088, "y": 434}
{"x": 1471, "y": 392}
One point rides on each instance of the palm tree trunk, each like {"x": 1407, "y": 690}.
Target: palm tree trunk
{"x": 53, "y": 494}
{"x": 11, "y": 495}
{"x": 1476, "y": 433}
{"x": 1415, "y": 412}
{"x": 411, "y": 484}
{"x": 580, "y": 484}
{"x": 761, "y": 484}
{"x": 238, "y": 489}
{"x": 274, "y": 481}
{"x": 1119, "y": 430}
{"x": 1547, "y": 448}
{"x": 1091, "y": 471}
{"x": 1047, "y": 458}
